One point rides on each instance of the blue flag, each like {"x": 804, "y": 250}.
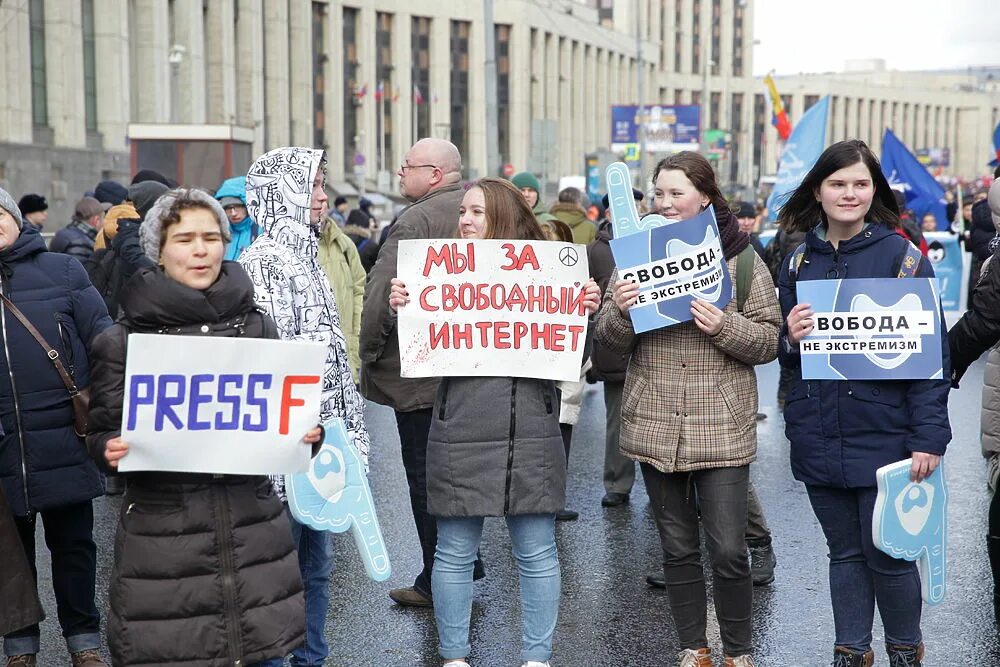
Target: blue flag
{"x": 901, "y": 169}
{"x": 802, "y": 150}
{"x": 996, "y": 147}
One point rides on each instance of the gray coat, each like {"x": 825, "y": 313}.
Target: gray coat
{"x": 495, "y": 448}
{"x": 433, "y": 216}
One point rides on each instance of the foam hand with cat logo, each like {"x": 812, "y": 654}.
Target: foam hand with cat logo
{"x": 673, "y": 262}
{"x": 911, "y": 523}
{"x": 872, "y": 329}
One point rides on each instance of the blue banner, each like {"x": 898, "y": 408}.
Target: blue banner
{"x": 802, "y": 150}
{"x": 911, "y": 523}
{"x": 903, "y": 170}
{"x": 669, "y": 128}
{"x": 946, "y": 256}
{"x": 872, "y": 329}
{"x": 673, "y": 264}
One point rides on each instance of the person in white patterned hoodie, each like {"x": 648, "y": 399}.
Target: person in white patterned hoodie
{"x": 286, "y": 196}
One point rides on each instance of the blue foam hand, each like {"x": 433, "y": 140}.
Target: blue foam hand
{"x": 334, "y": 495}
{"x": 624, "y": 215}
{"x": 911, "y": 523}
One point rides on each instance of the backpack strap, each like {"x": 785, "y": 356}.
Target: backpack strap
{"x": 744, "y": 275}
{"x": 910, "y": 263}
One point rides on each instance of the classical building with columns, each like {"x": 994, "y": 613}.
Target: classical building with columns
{"x": 96, "y": 89}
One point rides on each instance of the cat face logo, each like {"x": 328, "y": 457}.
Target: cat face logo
{"x": 864, "y": 303}
{"x": 913, "y": 507}
{"x": 676, "y": 247}
{"x": 328, "y": 473}
{"x": 935, "y": 252}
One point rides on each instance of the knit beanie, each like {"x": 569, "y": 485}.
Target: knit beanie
{"x": 111, "y": 192}
{"x": 526, "y": 179}
{"x": 8, "y": 204}
{"x": 144, "y": 194}
{"x": 152, "y": 225}
{"x": 145, "y": 175}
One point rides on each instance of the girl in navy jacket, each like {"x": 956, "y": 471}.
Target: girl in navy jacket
{"x": 841, "y": 432}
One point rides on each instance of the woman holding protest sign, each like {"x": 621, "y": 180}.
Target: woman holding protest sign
{"x": 205, "y": 571}
{"x": 689, "y": 413}
{"x": 842, "y": 431}
{"x": 495, "y": 450}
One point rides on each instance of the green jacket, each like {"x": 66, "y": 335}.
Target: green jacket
{"x": 584, "y": 231}
{"x": 342, "y": 265}
{"x": 541, "y": 214}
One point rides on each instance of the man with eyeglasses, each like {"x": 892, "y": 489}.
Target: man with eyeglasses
{"x": 430, "y": 177}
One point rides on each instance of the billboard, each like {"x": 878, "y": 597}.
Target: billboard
{"x": 668, "y": 128}
{"x": 934, "y": 157}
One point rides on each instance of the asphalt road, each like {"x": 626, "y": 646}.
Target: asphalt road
{"x": 608, "y": 616}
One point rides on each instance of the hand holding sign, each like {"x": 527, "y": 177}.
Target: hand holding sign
{"x": 334, "y": 495}
{"x": 910, "y": 522}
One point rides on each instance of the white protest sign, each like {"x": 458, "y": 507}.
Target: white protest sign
{"x": 492, "y": 308}
{"x": 236, "y": 406}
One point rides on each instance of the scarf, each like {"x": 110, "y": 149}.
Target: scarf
{"x": 733, "y": 240}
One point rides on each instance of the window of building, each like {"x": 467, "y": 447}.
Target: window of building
{"x": 460, "y": 85}
{"x": 39, "y": 90}
{"x": 420, "y": 46}
{"x": 319, "y": 76}
{"x": 352, "y": 88}
{"x": 808, "y": 101}
{"x": 383, "y": 86}
{"x": 503, "y": 33}
{"x": 89, "y": 67}
{"x": 736, "y": 127}
{"x": 678, "y": 36}
{"x": 761, "y": 117}
{"x": 696, "y": 38}
{"x": 714, "y": 108}
{"x": 715, "y": 55}
{"x": 739, "y": 16}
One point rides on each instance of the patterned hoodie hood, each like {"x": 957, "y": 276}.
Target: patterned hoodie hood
{"x": 279, "y": 191}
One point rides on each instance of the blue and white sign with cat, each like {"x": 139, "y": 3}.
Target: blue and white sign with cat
{"x": 911, "y": 523}
{"x": 673, "y": 262}
{"x": 872, "y": 329}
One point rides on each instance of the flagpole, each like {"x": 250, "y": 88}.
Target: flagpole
{"x": 413, "y": 103}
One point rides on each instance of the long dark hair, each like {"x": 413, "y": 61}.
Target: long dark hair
{"x": 801, "y": 211}
{"x": 699, "y": 171}
{"x": 508, "y": 215}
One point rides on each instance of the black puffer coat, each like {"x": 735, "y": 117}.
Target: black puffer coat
{"x": 205, "y": 571}
{"x": 43, "y": 464}
{"x": 495, "y": 448}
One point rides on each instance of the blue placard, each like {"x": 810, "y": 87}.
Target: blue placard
{"x": 946, "y": 255}
{"x": 872, "y": 329}
{"x": 674, "y": 264}
{"x": 911, "y": 523}
{"x": 669, "y": 128}
{"x": 334, "y": 495}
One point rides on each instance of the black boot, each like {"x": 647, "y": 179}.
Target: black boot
{"x": 842, "y": 657}
{"x": 993, "y": 549}
{"x": 905, "y": 656}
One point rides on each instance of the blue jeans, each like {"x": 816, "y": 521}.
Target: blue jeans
{"x": 315, "y": 565}
{"x": 534, "y": 544}
{"x": 861, "y": 574}
{"x": 69, "y": 535}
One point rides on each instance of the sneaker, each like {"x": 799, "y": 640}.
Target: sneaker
{"x": 567, "y": 515}
{"x": 26, "y": 660}
{"x": 613, "y": 499}
{"x": 457, "y": 663}
{"x": 410, "y": 596}
{"x": 845, "y": 658}
{"x": 762, "y": 562}
{"x": 905, "y": 656}
{"x": 88, "y": 658}
{"x": 535, "y": 663}
{"x": 656, "y": 580}
{"x": 692, "y": 658}
{"x": 738, "y": 661}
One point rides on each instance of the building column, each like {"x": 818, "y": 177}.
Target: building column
{"x": 277, "y": 87}
{"x": 521, "y": 63}
{"x": 189, "y": 32}
{"x": 476, "y": 119}
{"x": 220, "y": 59}
{"x": 300, "y": 72}
{"x": 439, "y": 96}
{"x": 367, "y": 138}
{"x": 15, "y": 74}
{"x": 336, "y": 101}
{"x": 111, "y": 52}
{"x": 64, "y": 73}
{"x": 250, "y": 70}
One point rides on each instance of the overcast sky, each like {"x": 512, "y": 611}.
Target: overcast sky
{"x": 813, "y": 36}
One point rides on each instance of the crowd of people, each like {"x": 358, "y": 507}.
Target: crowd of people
{"x": 214, "y": 569}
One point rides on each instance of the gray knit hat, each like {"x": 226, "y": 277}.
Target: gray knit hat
{"x": 149, "y": 231}
{"x": 8, "y": 204}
